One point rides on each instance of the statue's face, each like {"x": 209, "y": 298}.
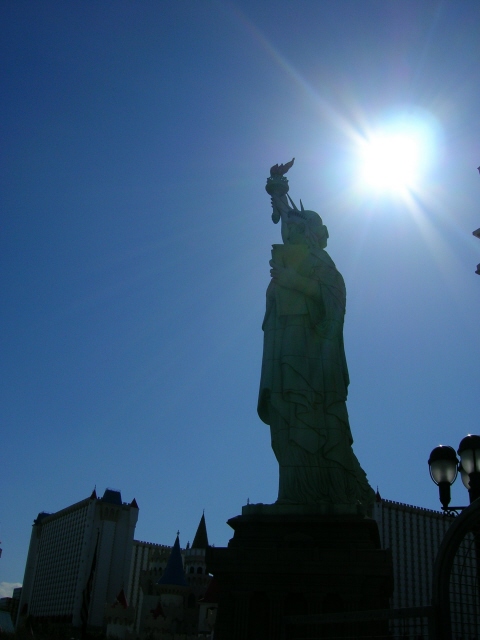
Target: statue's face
{"x": 294, "y": 233}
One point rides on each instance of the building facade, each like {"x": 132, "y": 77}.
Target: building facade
{"x": 78, "y": 559}
{"x": 81, "y": 557}
{"x": 414, "y": 535}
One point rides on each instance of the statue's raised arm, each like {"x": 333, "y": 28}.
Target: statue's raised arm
{"x": 277, "y": 188}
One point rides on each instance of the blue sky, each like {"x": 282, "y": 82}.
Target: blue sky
{"x": 136, "y": 139}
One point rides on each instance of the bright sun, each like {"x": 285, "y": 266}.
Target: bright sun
{"x": 391, "y": 161}
{"x": 394, "y": 159}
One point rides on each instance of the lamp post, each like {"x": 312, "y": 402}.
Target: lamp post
{"x": 444, "y": 467}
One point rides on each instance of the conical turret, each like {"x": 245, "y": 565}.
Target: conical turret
{"x": 174, "y": 574}
{"x": 201, "y": 538}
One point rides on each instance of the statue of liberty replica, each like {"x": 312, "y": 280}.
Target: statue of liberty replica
{"x": 304, "y": 380}
{"x": 315, "y": 552}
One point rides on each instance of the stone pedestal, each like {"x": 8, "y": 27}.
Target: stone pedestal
{"x": 281, "y": 571}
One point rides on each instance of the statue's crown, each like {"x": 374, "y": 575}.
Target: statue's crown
{"x": 297, "y": 214}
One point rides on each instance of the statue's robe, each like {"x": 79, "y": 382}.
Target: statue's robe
{"x": 303, "y": 392}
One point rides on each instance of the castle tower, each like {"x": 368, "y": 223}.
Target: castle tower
{"x": 168, "y": 604}
{"x": 195, "y": 566}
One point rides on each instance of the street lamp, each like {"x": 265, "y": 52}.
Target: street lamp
{"x": 469, "y": 452}
{"x": 444, "y": 467}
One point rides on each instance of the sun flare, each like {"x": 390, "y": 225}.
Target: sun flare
{"x": 394, "y": 158}
{"x": 391, "y": 161}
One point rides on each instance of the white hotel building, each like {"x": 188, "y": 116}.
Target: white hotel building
{"x": 81, "y": 551}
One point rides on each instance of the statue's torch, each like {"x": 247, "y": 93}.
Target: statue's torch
{"x": 277, "y": 188}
